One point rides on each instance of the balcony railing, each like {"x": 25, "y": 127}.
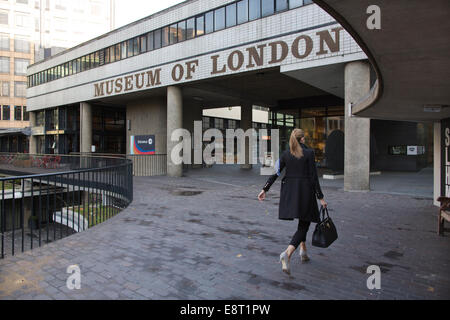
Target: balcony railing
{"x": 45, "y": 198}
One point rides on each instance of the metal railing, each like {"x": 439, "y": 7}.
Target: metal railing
{"x": 50, "y": 197}
{"x": 151, "y": 165}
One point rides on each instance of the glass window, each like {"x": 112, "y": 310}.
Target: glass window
{"x": 6, "y": 113}
{"x": 136, "y": 46}
{"x": 71, "y": 64}
{"x": 206, "y": 123}
{"x": 281, "y": 5}
{"x": 123, "y": 50}
{"x": 96, "y": 59}
{"x": 209, "y": 22}
{"x": 26, "y": 114}
{"x": 4, "y": 64}
{"x": 267, "y": 7}
{"x": 165, "y": 36}
{"x": 4, "y": 42}
{"x": 231, "y": 15}
{"x": 219, "y": 19}
{"x": 18, "y": 113}
{"x": 200, "y": 25}
{"x": 158, "y": 38}
{"x": 305, "y": 2}
{"x": 117, "y": 50}
{"x": 22, "y": 45}
{"x": 107, "y": 55}
{"x": 143, "y": 44}
{"x": 242, "y": 11}
{"x": 182, "y": 31}
{"x": 130, "y": 51}
{"x": 173, "y": 34}
{"x": 150, "y": 43}
{"x": 20, "y": 66}
{"x": 4, "y": 89}
{"x": 190, "y": 28}
{"x": 83, "y": 65}
{"x": 254, "y": 9}
{"x": 295, "y": 3}
{"x": 78, "y": 65}
{"x": 20, "y": 89}
{"x": 111, "y": 54}
{"x": 91, "y": 62}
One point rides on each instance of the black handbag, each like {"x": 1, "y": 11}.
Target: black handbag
{"x": 325, "y": 233}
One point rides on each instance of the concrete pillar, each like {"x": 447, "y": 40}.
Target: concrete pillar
{"x": 437, "y": 162}
{"x": 357, "y": 130}
{"x": 33, "y": 142}
{"x": 85, "y": 128}
{"x": 174, "y": 121}
{"x": 247, "y": 123}
{"x": 194, "y": 113}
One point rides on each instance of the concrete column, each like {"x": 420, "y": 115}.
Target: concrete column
{"x": 357, "y": 130}
{"x": 247, "y": 123}
{"x": 194, "y": 113}
{"x": 33, "y": 142}
{"x": 85, "y": 127}
{"x": 174, "y": 121}
{"x": 437, "y": 162}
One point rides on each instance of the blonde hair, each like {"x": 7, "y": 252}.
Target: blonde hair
{"x": 294, "y": 143}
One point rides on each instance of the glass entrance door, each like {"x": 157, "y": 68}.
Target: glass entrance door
{"x": 318, "y": 123}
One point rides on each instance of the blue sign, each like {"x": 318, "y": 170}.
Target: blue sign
{"x": 143, "y": 145}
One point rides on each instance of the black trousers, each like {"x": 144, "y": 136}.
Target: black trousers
{"x": 300, "y": 235}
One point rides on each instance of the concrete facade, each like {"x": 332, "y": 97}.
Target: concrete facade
{"x": 309, "y": 20}
{"x": 281, "y": 57}
{"x": 148, "y": 117}
{"x": 174, "y": 122}
{"x": 357, "y": 130}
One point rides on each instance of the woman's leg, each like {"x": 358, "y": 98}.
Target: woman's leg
{"x": 299, "y": 237}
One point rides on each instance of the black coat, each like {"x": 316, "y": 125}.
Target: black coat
{"x": 300, "y": 187}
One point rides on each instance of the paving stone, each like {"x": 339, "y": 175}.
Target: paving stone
{"x": 223, "y": 244}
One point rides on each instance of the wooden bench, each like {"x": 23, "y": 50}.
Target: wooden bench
{"x": 444, "y": 214}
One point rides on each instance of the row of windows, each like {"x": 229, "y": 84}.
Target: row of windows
{"x": 20, "y": 44}
{"x": 20, "y": 89}
{"x": 223, "y": 124}
{"x": 227, "y": 16}
{"x": 20, "y": 113}
{"x": 20, "y": 66}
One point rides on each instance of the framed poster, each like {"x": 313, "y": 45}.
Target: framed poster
{"x": 143, "y": 145}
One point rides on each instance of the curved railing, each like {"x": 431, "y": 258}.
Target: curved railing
{"x": 45, "y": 198}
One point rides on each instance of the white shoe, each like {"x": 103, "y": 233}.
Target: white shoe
{"x": 285, "y": 263}
{"x": 304, "y": 256}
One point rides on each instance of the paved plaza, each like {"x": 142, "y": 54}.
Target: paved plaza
{"x": 206, "y": 236}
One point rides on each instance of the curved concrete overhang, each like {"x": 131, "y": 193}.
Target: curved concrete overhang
{"x": 410, "y": 55}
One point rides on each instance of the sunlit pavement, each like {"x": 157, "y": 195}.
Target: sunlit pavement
{"x": 207, "y": 237}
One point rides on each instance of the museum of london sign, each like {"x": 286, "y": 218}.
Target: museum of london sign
{"x": 264, "y": 55}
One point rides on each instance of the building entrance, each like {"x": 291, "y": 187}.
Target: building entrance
{"x": 319, "y": 123}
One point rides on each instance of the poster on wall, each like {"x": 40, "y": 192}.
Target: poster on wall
{"x": 143, "y": 145}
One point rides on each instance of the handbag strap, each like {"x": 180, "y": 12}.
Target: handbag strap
{"x": 324, "y": 211}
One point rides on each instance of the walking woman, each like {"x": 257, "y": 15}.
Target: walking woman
{"x": 299, "y": 189}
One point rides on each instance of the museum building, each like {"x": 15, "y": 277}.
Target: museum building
{"x": 288, "y": 57}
